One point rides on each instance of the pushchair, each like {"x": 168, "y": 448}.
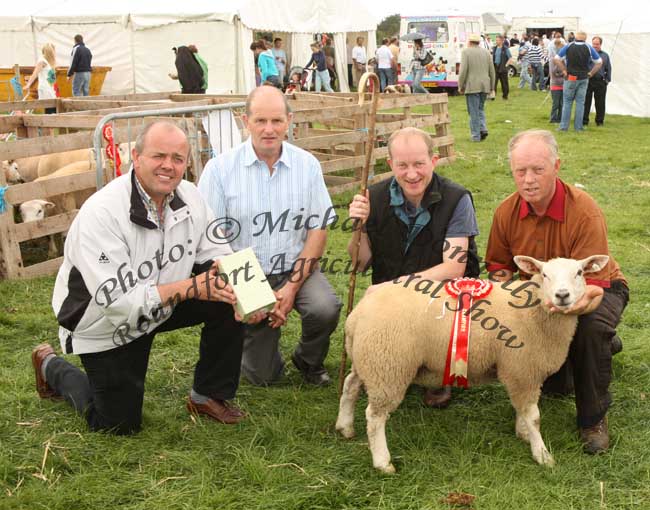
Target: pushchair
{"x": 305, "y": 81}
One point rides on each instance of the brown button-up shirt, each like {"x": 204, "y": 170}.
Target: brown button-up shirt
{"x": 572, "y": 227}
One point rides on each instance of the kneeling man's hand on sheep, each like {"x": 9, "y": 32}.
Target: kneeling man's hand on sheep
{"x": 586, "y": 304}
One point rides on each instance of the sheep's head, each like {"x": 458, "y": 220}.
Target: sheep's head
{"x": 563, "y": 280}
{"x": 10, "y": 168}
{"x": 34, "y": 210}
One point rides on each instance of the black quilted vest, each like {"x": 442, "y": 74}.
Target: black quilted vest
{"x": 388, "y": 234}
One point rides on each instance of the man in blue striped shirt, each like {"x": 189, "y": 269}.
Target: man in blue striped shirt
{"x": 271, "y": 196}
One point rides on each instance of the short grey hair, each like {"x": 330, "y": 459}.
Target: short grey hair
{"x": 543, "y": 135}
{"x": 141, "y": 139}
{"x": 256, "y": 91}
{"x": 411, "y": 132}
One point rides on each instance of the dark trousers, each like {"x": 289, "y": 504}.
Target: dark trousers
{"x": 556, "y": 107}
{"x": 502, "y": 77}
{"x": 590, "y": 358}
{"x": 110, "y": 393}
{"x": 597, "y": 89}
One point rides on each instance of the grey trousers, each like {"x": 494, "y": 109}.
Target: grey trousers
{"x": 319, "y": 310}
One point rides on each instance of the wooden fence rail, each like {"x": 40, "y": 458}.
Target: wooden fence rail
{"x": 331, "y": 126}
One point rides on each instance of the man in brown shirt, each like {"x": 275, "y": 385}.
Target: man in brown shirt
{"x": 547, "y": 218}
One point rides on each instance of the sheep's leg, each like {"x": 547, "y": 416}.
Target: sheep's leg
{"x": 349, "y": 396}
{"x": 377, "y": 439}
{"x": 521, "y": 429}
{"x": 525, "y": 403}
{"x": 52, "y": 248}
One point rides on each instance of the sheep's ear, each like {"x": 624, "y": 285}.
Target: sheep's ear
{"x": 594, "y": 263}
{"x": 46, "y": 204}
{"x": 528, "y": 264}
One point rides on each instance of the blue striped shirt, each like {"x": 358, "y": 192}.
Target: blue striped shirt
{"x": 270, "y": 213}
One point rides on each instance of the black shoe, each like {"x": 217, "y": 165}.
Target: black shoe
{"x": 317, "y": 376}
{"x": 616, "y": 345}
{"x": 599, "y": 124}
{"x": 484, "y": 135}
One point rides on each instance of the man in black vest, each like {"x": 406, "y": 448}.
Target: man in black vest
{"x": 419, "y": 225}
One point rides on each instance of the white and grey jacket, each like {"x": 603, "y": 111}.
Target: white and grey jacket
{"x": 106, "y": 293}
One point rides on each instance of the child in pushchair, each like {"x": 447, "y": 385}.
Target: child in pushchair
{"x": 299, "y": 79}
{"x": 295, "y": 80}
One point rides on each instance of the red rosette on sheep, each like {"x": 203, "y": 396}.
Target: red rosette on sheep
{"x": 465, "y": 290}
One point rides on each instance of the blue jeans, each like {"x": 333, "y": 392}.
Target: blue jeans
{"x": 525, "y": 77}
{"x": 385, "y": 76}
{"x": 556, "y": 108}
{"x": 476, "y": 110}
{"x": 538, "y": 76}
{"x": 417, "y": 78}
{"x": 81, "y": 83}
{"x": 323, "y": 78}
{"x": 573, "y": 91}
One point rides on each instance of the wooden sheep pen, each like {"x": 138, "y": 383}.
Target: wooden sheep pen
{"x": 333, "y": 127}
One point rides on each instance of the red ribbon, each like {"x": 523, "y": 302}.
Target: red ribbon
{"x": 111, "y": 153}
{"x": 465, "y": 290}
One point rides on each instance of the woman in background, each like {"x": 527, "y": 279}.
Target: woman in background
{"x": 188, "y": 72}
{"x": 45, "y": 72}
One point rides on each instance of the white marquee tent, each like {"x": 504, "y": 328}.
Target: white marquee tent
{"x": 135, "y": 38}
{"x": 625, "y": 40}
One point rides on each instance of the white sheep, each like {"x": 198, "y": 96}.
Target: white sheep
{"x": 51, "y": 163}
{"x": 12, "y": 175}
{"x": 37, "y": 209}
{"x": 398, "y": 335}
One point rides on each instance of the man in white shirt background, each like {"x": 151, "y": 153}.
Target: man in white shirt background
{"x": 384, "y": 64}
{"x": 359, "y": 60}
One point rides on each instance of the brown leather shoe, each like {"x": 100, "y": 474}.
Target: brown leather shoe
{"x": 219, "y": 410}
{"x": 438, "y": 398}
{"x": 596, "y": 438}
{"x": 39, "y": 353}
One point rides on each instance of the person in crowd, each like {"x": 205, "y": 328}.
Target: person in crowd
{"x": 384, "y": 64}
{"x": 579, "y": 62}
{"x": 416, "y": 224}
{"x": 421, "y": 57}
{"x": 330, "y": 60}
{"x": 500, "y": 56}
{"x": 573, "y": 226}
{"x": 45, "y": 73}
{"x": 188, "y": 71}
{"x": 524, "y": 78}
{"x": 535, "y": 57}
{"x": 136, "y": 263}
{"x": 394, "y": 49}
{"x": 556, "y": 84}
{"x": 266, "y": 63}
{"x": 258, "y": 186}
{"x": 476, "y": 81}
{"x": 280, "y": 58}
{"x": 359, "y": 61}
{"x": 514, "y": 41}
{"x": 202, "y": 63}
{"x": 319, "y": 61}
{"x": 597, "y": 87}
{"x": 80, "y": 67}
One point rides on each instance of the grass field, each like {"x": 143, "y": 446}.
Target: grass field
{"x": 287, "y": 455}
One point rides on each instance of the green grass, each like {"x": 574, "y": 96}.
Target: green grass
{"x": 287, "y": 455}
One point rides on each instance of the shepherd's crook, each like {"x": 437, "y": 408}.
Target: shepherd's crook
{"x": 356, "y": 235}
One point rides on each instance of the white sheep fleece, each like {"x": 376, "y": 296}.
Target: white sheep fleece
{"x": 399, "y": 336}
